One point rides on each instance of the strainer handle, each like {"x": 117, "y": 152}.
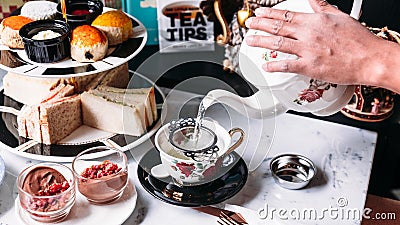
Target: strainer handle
{"x": 238, "y": 142}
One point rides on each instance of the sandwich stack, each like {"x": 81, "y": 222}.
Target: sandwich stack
{"x": 57, "y": 107}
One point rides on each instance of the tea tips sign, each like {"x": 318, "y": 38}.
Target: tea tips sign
{"x": 183, "y": 27}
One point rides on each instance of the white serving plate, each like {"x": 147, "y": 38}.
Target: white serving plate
{"x": 118, "y": 55}
{"x": 82, "y": 138}
{"x": 84, "y": 212}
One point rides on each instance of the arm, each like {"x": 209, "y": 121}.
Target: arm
{"x": 330, "y": 45}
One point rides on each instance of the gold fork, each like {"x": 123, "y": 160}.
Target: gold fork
{"x": 225, "y": 216}
{"x": 230, "y": 219}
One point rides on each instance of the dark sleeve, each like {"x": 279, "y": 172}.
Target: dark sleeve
{"x": 381, "y": 13}
{"x": 344, "y": 6}
{"x": 375, "y": 13}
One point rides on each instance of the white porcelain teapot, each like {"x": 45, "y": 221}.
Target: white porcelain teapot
{"x": 280, "y": 92}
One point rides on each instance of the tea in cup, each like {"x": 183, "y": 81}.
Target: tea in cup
{"x": 191, "y": 163}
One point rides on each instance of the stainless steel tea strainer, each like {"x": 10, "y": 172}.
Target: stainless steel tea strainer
{"x": 181, "y": 136}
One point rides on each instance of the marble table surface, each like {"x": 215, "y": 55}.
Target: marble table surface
{"x": 343, "y": 156}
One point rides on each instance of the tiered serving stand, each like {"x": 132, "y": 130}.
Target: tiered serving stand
{"x": 16, "y": 61}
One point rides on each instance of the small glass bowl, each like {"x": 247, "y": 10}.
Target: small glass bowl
{"x": 49, "y": 50}
{"x": 48, "y": 209}
{"x": 101, "y": 189}
{"x": 80, "y": 12}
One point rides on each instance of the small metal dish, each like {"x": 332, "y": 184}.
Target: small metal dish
{"x": 292, "y": 171}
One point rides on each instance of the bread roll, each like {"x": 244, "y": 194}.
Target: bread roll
{"x": 88, "y": 44}
{"x": 116, "y": 25}
{"x": 9, "y": 31}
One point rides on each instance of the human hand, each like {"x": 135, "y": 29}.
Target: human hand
{"x": 330, "y": 45}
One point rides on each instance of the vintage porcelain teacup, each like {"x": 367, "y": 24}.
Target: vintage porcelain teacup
{"x": 197, "y": 170}
{"x": 280, "y": 92}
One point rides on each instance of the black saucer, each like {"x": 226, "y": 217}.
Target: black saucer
{"x": 210, "y": 193}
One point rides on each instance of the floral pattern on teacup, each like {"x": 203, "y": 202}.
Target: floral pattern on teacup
{"x": 199, "y": 171}
{"x": 185, "y": 168}
{"x": 314, "y": 91}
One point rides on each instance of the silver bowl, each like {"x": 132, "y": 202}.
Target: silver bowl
{"x": 292, "y": 171}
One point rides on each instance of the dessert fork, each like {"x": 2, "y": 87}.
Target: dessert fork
{"x": 225, "y": 217}
{"x": 230, "y": 219}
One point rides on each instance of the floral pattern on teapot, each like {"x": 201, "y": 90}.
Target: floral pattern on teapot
{"x": 314, "y": 91}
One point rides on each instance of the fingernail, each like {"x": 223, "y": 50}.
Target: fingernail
{"x": 249, "y": 40}
{"x": 259, "y": 11}
{"x": 248, "y": 22}
{"x": 265, "y": 67}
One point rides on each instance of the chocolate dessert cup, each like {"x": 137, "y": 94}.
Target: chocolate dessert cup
{"x": 102, "y": 174}
{"x": 47, "y": 191}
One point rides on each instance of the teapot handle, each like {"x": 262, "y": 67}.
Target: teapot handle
{"x": 223, "y": 38}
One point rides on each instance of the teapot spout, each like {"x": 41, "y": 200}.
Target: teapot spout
{"x": 260, "y": 105}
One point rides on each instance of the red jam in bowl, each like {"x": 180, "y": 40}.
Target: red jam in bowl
{"x": 80, "y": 12}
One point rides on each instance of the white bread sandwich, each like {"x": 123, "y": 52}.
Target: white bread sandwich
{"x": 129, "y": 101}
{"x": 60, "y": 91}
{"x": 145, "y": 95}
{"x": 122, "y": 111}
{"x": 39, "y": 88}
{"x": 28, "y": 123}
{"x": 16, "y": 87}
{"x": 53, "y": 119}
{"x": 114, "y": 117}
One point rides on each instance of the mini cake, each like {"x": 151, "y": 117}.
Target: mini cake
{"x": 88, "y": 44}
{"x": 116, "y": 25}
{"x": 9, "y": 31}
{"x": 39, "y": 10}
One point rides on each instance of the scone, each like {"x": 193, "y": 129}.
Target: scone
{"x": 39, "y": 10}
{"x": 9, "y": 31}
{"x": 88, "y": 44}
{"x": 116, "y": 25}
